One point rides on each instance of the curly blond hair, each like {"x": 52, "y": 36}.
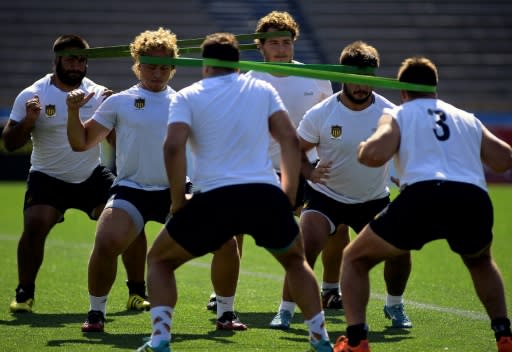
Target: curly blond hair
{"x": 279, "y": 20}
{"x": 149, "y": 40}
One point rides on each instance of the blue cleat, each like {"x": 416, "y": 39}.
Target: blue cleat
{"x": 163, "y": 346}
{"x": 282, "y": 320}
{"x": 399, "y": 318}
{"x": 320, "y": 346}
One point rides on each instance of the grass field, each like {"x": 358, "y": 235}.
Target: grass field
{"x": 440, "y": 298}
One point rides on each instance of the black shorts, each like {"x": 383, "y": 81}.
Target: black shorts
{"x": 209, "y": 219}
{"x": 85, "y": 196}
{"x": 426, "y": 211}
{"x": 354, "y": 215}
{"x": 151, "y": 205}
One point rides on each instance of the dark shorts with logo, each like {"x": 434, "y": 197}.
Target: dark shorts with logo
{"x": 209, "y": 219}
{"x": 460, "y": 213}
{"x": 355, "y": 216}
{"x": 86, "y": 196}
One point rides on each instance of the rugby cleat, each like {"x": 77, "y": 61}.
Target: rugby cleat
{"x": 320, "y": 346}
{"x": 95, "y": 322}
{"x": 282, "y": 320}
{"x": 21, "y": 307}
{"x": 331, "y": 299}
{"x": 137, "y": 302}
{"x": 163, "y": 346}
{"x": 212, "y": 304}
{"x": 230, "y": 321}
{"x": 504, "y": 344}
{"x": 399, "y": 318}
{"x": 342, "y": 345}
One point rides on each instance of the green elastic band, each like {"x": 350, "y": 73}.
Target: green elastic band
{"x": 332, "y": 68}
{"x": 295, "y": 70}
{"x": 184, "y": 45}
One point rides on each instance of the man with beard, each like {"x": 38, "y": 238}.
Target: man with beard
{"x": 59, "y": 178}
{"x": 340, "y": 190}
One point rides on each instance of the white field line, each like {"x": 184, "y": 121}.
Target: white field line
{"x": 454, "y": 311}
{"x": 449, "y": 310}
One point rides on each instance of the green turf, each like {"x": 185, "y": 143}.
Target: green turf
{"x": 441, "y": 302}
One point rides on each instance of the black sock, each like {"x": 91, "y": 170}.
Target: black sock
{"x": 137, "y": 288}
{"x": 24, "y": 292}
{"x": 501, "y": 327}
{"x": 356, "y": 333}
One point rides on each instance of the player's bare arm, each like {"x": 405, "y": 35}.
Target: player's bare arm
{"x": 176, "y": 162}
{"x": 82, "y": 136}
{"x": 380, "y": 146}
{"x": 16, "y": 134}
{"x": 495, "y": 153}
{"x": 282, "y": 130}
{"x": 318, "y": 173}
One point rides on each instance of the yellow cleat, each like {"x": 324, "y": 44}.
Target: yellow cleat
{"x": 136, "y": 302}
{"x": 21, "y": 307}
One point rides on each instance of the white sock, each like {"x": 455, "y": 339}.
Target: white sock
{"x": 98, "y": 303}
{"x": 225, "y": 304}
{"x": 289, "y": 306}
{"x": 316, "y": 325}
{"x": 394, "y": 300}
{"x": 161, "y": 320}
{"x": 330, "y": 286}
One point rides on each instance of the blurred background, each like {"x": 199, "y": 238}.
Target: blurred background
{"x": 469, "y": 41}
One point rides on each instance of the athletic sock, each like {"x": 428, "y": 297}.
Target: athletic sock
{"x": 137, "y": 288}
{"x": 161, "y": 320}
{"x": 316, "y": 325}
{"x": 356, "y": 333}
{"x": 394, "y": 300}
{"x": 25, "y": 292}
{"x": 225, "y": 304}
{"x": 326, "y": 286}
{"x": 288, "y": 306}
{"x": 98, "y": 303}
{"x": 501, "y": 327}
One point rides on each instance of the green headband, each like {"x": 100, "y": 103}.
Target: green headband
{"x": 184, "y": 45}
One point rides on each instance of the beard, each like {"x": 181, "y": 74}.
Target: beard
{"x": 358, "y": 101}
{"x": 70, "y": 78}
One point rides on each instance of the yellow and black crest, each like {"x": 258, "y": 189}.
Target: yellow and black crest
{"x": 336, "y": 131}
{"x": 50, "y": 110}
{"x": 140, "y": 103}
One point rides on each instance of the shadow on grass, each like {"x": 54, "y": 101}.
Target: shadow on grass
{"x": 56, "y": 320}
{"x": 254, "y": 320}
{"x": 45, "y": 320}
{"x": 133, "y": 341}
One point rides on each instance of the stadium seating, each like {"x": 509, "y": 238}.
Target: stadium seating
{"x": 468, "y": 40}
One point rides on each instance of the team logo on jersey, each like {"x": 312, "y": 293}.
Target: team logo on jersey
{"x": 336, "y": 131}
{"x": 140, "y": 103}
{"x": 50, "y": 110}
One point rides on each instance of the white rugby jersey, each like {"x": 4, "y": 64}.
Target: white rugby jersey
{"x": 438, "y": 142}
{"x": 139, "y": 117}
{"x": 337, "y": 131}
{"x": 51, "y": 152}
{"x": 228, "y": 116}
{"x": 299, "y": 94}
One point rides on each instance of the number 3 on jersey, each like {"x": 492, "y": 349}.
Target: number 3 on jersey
{"x": 443, "y": 133}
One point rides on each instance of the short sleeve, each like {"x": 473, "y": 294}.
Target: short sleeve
{"x": 179, "y": 110}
